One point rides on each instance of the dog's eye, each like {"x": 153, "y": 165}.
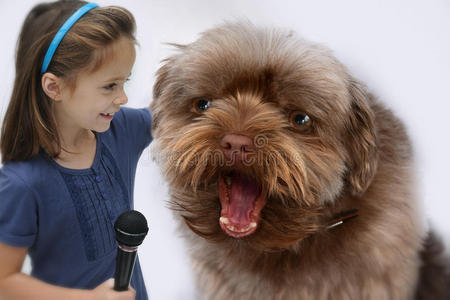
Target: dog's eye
{"x": 300, "y": 121}
{"x": 201, "y": 105}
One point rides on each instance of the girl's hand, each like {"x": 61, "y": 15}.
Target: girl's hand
{"x": 105, "y": 291}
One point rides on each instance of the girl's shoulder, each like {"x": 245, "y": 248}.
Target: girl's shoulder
{"x": 133, "y": 126}
{"x": 25, "y": 174}
{"x": 133, "y": 116}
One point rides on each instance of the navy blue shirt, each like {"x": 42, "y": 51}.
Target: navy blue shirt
{"x": 66, "y": 216}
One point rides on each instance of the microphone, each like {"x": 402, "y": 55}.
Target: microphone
{"x": 131, "y": 229}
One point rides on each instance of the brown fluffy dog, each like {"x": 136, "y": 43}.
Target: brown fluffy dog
{"x": 267, "y": 144}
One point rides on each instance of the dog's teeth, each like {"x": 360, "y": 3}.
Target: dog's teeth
{"x": 230, "y": 227}
{"x": 228, "y": 180}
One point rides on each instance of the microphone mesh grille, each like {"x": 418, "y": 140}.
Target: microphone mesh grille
{"x": 131, "y": 228}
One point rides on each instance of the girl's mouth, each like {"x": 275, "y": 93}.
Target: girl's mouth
{"x": 107, "y": 116}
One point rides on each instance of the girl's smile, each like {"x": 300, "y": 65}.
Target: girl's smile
{"x": 97, "y": 95}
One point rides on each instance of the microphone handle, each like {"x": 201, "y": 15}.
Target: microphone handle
{"x": 126, "y": 257}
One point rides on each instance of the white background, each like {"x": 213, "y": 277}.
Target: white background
{"x": 400, "y": 49}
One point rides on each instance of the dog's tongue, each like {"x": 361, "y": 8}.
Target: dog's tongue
{"x": 242, "y": 196}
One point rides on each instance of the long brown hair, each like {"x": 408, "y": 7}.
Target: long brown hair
{"x": 29, "y": 124}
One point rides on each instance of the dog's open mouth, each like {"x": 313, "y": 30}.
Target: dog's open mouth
{"x": 242, "y": 200}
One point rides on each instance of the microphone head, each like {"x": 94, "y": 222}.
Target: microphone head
{"x": 131, "y": 228}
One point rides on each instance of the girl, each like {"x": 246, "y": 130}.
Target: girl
{"x": 69, "y": 153}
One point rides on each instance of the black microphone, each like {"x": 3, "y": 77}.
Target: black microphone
{"x": 131, "y": 229}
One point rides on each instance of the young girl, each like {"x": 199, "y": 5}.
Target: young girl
{"x": 69, "y": 153}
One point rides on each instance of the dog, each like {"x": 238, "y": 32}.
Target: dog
{"x": 289, "y": 178}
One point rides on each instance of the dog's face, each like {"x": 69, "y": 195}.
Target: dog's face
{"x": 257, "y": 131}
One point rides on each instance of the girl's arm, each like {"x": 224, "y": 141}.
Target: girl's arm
{"x": 16, "y": 285}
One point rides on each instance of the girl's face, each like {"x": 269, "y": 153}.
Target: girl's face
{"x": 97, "y": 95}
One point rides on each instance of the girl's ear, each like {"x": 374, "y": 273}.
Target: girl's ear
{"x": 52, "y": 86}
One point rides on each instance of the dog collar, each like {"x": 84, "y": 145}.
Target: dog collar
{"x": 342, "y": 217}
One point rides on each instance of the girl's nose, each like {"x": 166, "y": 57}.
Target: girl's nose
{"x": 121, "y": 99}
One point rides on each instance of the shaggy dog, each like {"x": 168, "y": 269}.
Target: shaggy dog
{"x": 291, "y": 180}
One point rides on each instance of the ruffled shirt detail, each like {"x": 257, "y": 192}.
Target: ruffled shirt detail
{"x": 99, "y": 197}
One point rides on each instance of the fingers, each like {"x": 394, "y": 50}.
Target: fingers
{"x": 130, "y": 294}
{"x": 110, "y": 283}
{"x": 106, "y": 291}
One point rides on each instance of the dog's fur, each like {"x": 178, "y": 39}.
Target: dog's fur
{"x": 355, "y": 155}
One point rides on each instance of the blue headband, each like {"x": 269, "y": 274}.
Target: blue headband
{"x": 62, "y": 32}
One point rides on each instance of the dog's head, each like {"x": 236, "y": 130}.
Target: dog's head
{"x": 256, "y": 131}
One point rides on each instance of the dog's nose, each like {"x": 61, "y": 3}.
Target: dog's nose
{"x": 236, "y": 146}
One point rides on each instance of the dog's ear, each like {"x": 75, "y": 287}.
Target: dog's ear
{"x": 161, "y": 80}
{"x": 361, "y": 140}
{"x": 158, "y": 88}
{"x": 162, "y": 75}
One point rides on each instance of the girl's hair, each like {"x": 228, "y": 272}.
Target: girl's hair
{"x": 29, "y": 124}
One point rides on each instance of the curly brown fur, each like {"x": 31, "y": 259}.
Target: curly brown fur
{"x": 355, "y": 155}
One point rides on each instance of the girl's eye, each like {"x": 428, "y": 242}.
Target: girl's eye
{"x": 300, "y": 121}
{"x": 110, "y": 86}
{"x": 201, "y": 105}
